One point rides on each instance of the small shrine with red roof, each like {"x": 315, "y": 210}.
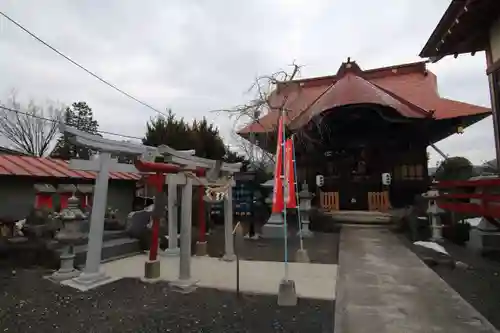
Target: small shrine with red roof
{"x": 356, "y": 125}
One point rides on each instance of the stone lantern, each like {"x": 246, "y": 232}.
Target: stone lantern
{"x": 434, "y": 211}
{"x": 72, "y": 219}
{"x": 305, "y": 198}
{"x": 274, "y": 227}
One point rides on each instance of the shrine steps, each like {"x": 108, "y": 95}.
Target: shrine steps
{"x": 360, "y": 218}
{"x": 116, "y": 245}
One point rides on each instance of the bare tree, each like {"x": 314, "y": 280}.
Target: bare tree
{"x": 30, "y": 128}
{"x": 264, "y": 91}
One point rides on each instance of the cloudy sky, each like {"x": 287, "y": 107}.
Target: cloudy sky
{"x": 194, "y": 56}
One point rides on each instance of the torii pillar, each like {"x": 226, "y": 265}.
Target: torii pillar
{"x": 152, "y": 266}
{"x": 92, "y": 276}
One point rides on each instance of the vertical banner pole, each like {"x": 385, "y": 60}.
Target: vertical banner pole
{"x": 299, "y": 217}
{"x": 285, "y": 189}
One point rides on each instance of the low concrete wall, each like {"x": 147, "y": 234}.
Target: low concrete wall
{"x": 17, "y": 195}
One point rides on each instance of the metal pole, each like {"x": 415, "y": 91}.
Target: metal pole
{"x": 299, "y": 217}
{"x": 237, "y": 238}
{"x": 237, "y": 271}
{"x": 439, "y": 151}
{"x": 284, "y": 185}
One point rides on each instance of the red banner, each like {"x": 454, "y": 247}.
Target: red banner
{"x": 278, "y": 172}
{"x": 290, "y": 197}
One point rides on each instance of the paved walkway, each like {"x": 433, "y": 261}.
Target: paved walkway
{"x": 383, "y": 287}
{"x": 315, "y": 281}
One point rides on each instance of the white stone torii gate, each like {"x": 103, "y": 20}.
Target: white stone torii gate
{"x": 92, "y": 275}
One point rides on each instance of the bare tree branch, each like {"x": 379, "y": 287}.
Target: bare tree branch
{"x": 32, "y": 128}
{"x": 270, "y": 94}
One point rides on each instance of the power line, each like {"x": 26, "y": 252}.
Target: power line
{"x": 80, "y": 66}
{"x": 56, "y": 121}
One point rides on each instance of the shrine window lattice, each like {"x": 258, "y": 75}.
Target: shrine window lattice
{"x": 409, "y": 172}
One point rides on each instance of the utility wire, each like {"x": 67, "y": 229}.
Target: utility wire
{"x": 56, "y": 121}
{"x": 80, "y": 66}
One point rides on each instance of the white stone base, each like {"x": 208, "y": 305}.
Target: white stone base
{"x": 305, "y": 233}
{"x": 287, "y": 295}
{"x": 88, "y": 281}
{"x": 229, "y": 257}
{"x": 175, "y": 252}
{"x": 62, "y": 275}
{"x": 270, "y": 231}
{"x": 184, "y": 286}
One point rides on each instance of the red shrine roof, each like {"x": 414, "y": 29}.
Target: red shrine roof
{"x": 410, "y": 89}
{"x": 29, "y": 166}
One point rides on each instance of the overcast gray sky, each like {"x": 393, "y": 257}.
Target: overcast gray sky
{"x": 194, "y": 55}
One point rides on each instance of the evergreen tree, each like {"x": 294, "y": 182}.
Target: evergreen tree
{"x": 201, "y": 136}
{"x": 80, "y": 116}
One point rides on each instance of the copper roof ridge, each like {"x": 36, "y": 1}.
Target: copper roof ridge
{"x": 302, "y": 112}
{"x": 388, "y": 92}
{"x": 400, "y": 99}
{"x": 367, "y": 71}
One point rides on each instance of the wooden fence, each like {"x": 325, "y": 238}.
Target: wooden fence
{"x": 329, "y": 200}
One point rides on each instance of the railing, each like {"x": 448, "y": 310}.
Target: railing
{"x": 329, "y": 201}
{"x": 378, "y": 201}
{"x": 480, "y": 197}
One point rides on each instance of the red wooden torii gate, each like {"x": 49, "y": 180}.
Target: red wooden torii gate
{"x": 157, "y": 180}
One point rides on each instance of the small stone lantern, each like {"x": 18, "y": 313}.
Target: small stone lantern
{"x": 434, "y": 211}
{"x": 72, "y": 219}
{"x": 305, "y": 209}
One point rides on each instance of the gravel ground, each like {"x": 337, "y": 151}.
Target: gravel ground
{"x": 478, "y": 284}
{"x": 322, "y": 248}
{"x": 29, "y": 303}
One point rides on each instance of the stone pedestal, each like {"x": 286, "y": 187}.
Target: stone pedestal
{"x": 287, "y": 296}
{"x": 67, "y": 270}
{"x": 306, "y": 232}
{"x": 302, "y": 256}
{"x": 201, "y": 249}
{"x": 184, "y": 286}
{"x": 274, "y": 228}
{"x": 175, "y": 252}
{"x": 152, "y": 269}
{"x": 88, "y": 281}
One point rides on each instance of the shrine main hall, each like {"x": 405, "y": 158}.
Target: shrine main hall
{"x": 356, "y": 125}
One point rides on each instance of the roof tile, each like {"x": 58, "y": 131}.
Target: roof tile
{"x": 12, "y": 165}
{"x": 409, "y": 88}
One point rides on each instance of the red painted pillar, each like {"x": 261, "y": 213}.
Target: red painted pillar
{"x": 158, "y": 181}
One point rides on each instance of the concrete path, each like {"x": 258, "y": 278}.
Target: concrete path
{"x": 316, "y": 281}
{"x": 383, "y": 287}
